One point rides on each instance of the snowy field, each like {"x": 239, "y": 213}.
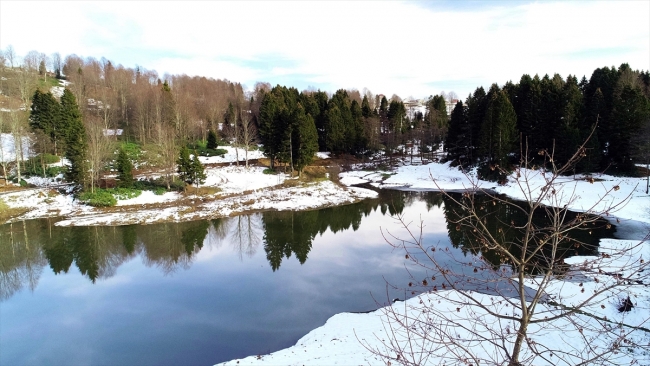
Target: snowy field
{"x": 357, "y": 338}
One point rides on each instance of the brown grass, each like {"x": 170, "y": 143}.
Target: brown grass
{"x": 7, "y": 213}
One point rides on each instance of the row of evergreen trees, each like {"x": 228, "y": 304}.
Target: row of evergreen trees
{"x": 62, "y": 126}
{"x": 555, "y": 116}
{"x": 293, "y": 125}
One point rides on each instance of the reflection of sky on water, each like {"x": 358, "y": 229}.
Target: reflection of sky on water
{"x": 226, "y": 305}
{"x": 158, "y": 306}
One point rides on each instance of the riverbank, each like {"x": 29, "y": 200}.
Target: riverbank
{"x": 358, "y": 338}
{"x": 228, "y": 190}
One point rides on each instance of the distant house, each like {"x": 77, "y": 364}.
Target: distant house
{"x": 113, "y": 132}
{"x": 450, "y": 106}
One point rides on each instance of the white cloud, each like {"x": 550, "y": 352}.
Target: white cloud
{"x": 389, "y": 47}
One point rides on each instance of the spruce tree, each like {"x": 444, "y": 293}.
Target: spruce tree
{"x": 212, "y": 140}
{"x": 305, "y": 139}
{"x": 45, "y": 115}
{"x": 124, "y": 170}
{"x": 197, "y": 171}
{"x": 498, "y": 135}
{"x": 75, "y": 139}
{"x": 184, "y": 165}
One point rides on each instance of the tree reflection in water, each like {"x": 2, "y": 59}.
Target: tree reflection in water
{"x": 27, "y": 247}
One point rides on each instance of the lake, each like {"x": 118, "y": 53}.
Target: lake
{"x": 202, "y": 292}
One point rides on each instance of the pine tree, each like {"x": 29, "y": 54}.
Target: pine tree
{"x": 75, "y": 139}
{"x": 45, "y": 115}
{"x": 124, "y": 169}
{"x": 197, "y": 171}
{"x": 305, "y": 139}
{"x": 498, "y": 135}
{"x": 212, "y": 140}
{"x": 184, "y": 164}
{"x": 457, "y": 141}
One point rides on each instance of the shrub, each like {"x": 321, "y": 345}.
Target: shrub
{"x": 159, "y": 191}
{"x": 269, "y": 171}
{"x": 99, "y": 198}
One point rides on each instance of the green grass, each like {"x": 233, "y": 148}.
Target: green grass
{"x": 99, "y": 198}
{"x": 108, "y": 197}
{"x": 51, "y": 81}
{"x": 133, "y": 150}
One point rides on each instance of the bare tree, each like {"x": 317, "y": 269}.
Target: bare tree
{"x": 10, "y": 54}
{"x": 3, "y": 162}
{"x": 247, "y": 134}
{"x": 26, "y": 81}
{"x": 166, "y": 151}
{"x": 3, "y": 60}
{"x": 31, "y": 61}
{"x": 100, "y": 148}
{"x": 455, "y": 324}
{"x": 19, "y": 126}
{"x": 55, "y": 59}
{"x": 246, "y": 233}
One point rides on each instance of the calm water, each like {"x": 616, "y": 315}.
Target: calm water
{"x": 207, "y": 291}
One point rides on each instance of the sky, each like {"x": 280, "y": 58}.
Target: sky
{"x": 412, "y": 49}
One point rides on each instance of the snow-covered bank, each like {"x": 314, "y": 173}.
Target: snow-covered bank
{"x": 578, "y": 192}
{"x": 236, "y": 190}
{"x": 356, "y": 338}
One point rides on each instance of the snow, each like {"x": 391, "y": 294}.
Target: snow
{"x": 8, "y": 147}
{"x": 357, "y": 338}
{"x": 231, "y": 156}
{"x": 349, "y": 338}
{"x": 235, "y": 190}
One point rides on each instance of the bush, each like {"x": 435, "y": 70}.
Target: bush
{"x": 159, "y": 191}
{"x": 99, "y": 198}
{"x": 269, "y": 171}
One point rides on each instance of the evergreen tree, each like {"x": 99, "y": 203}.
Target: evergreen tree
{"x": 629, "y": 112}
{"x": 197, "y": 171}
{"x": 476, "y": 108}
{"x": 270, "y": 109}
{"x": 124, "y": 169}
{"x": 75, "y": 139}
{"x": 498, "y": 135}
{"x": 45, "y": 115}
{"x": 212, "y": 140}
{"x": 320, "y": 119}
{"x": 335, "y": 129}
{"x": 365, "y": 107}
{"x": 357, "y": 142}
{"x": 184, "y": 165}
{"x": 457, "y": 141}
{"x": 305, "y": 139}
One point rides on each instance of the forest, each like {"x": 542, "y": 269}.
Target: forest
{"x": 91, "y": 110}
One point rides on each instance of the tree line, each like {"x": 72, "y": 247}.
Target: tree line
{"x": 551, "y": 115}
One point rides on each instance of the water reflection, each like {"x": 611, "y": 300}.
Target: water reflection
{"x": 206, "y": 291}
{"x": 97, "y": 252}
{"x": 507, "y": 223}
